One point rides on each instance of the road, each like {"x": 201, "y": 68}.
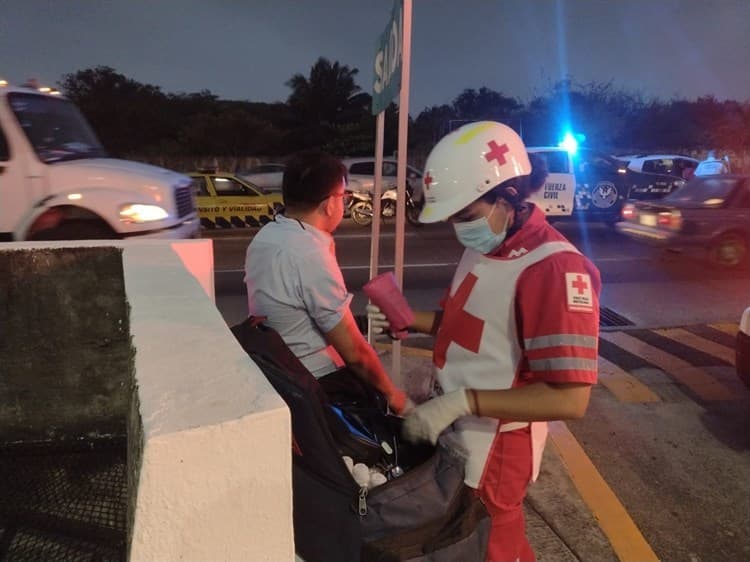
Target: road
{"x": 660, "y": 465}
{"x": 644, "y": 285}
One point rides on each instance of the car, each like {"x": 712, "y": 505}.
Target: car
{"x": 712, "y": 165}
{"x": 651, "y": 174}
{"x": 709, "y": 214}
{"x": 743, "y": 348}
{"x": 268, "y": 176}
{"x": 601, "y": 185}
{"x": 362, "y": 176}
{"x": 606, "y": 182}
{"x": 675, "y": 165}
{"x": 557, "y": 196}
{"x": 226, "y": 200}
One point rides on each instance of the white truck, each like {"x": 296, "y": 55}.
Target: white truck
{"x": 57, "y": 183}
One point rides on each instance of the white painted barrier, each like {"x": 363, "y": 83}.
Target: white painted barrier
{"x": 209, "y": 460}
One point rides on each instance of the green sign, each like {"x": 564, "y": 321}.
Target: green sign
{"x": 387, "y": 80}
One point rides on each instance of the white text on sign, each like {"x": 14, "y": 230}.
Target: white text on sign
{"x": 387, "y": 59}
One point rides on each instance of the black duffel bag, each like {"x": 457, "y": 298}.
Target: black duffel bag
{"x": 425, "y": 514}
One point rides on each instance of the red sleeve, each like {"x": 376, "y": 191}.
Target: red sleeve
{"x": 557, "y": 307}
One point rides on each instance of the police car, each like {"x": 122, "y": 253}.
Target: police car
{"x": 225, "y": 200}
{"x": 557, "y": 197}
{"x": 675, "y": 165}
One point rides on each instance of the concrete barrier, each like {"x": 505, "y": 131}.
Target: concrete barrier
{"x": 209, "y": 451}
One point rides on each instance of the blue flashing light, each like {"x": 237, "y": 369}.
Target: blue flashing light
{"x": 569, "y": 143}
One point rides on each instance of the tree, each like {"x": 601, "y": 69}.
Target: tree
{"x": 234, "y": 131}
{"x": 328, "y": 96}
{"x": 596, "y": 109}
{"x": 470, "y": 105}
{"x": 431, "y": 125}
{"x": 126, "y": 114}
{"x": 325, "y": 100}
{"x": 486, "y": 104}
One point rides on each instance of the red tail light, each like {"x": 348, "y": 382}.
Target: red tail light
{"x": 669, "y": 219}
{"x": 629, "y": 212}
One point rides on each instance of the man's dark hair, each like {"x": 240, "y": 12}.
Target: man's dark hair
{"x": 516, "y": 190}
{"x": 538, "y": 175}
{"x": 310, "y": 177}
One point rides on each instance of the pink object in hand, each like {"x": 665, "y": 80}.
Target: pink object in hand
{"x": 384, "y": 293}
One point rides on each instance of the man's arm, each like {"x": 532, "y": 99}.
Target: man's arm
{"x": 361, "y": 358}
{"x": 427, "y": 322}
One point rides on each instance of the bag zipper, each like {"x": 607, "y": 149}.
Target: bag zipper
{"x": 364, "y": 491}
{"x": 362, "y": 506}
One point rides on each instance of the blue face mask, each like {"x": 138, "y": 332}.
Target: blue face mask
{"x": 478, "y": 235}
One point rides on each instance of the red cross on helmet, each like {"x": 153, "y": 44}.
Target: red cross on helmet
{"x": 467, "y": 163}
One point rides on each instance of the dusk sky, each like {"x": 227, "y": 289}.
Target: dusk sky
{"x": 248, "y": 49}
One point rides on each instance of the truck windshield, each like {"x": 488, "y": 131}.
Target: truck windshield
{"x": 55, "y": 128}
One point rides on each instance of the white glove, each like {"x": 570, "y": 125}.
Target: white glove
{"x": 377, "y": 319}
{"x": 428, "y": 420}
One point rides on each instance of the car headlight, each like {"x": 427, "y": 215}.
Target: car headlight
{"x": 137, "y": 212}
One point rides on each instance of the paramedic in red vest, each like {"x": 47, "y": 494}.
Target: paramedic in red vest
{"x": 516, "y": 340}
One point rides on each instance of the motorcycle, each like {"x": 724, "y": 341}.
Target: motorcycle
{"x": 360, "y": 207}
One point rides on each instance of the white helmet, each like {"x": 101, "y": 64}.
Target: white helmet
{"x": 467, "y": 163}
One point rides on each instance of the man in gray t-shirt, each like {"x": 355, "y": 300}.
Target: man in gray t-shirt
{"x": 294, "y": 280}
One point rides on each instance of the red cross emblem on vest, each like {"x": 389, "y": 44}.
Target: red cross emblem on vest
{"x": 458, "y": 325}
{"x": 580, "y": 285}
{"x": 497, "y": 152}
{"x": 578, "y": 291}
{"x": 428, "y": 179}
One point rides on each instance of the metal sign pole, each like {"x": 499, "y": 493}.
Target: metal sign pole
{"x": 403, "y": 126}
{"x": 376, "y": 192}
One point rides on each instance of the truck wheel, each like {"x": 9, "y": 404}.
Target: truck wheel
{"x": 77, "y": 230}
{"x": 729, "y": 250}
{"x": 361, "y": 213}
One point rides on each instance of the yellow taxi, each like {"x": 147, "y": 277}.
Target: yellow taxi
{"x": 225, "y": 200}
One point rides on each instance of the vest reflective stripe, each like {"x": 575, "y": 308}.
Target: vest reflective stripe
{"x": 496, "y": 364}
{"x": 589, "y": 342}
{"x": 563, "y": 363}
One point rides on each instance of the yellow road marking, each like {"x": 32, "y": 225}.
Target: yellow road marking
{"x": 727, "y": 328}
{"x": 693, "y": 340}
{"x": 697, "y": 380}
{"x": 614, "y": 520}
{"x": 623, "y": 385}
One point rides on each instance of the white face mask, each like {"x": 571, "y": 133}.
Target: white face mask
{"x": 478, "y": 235}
